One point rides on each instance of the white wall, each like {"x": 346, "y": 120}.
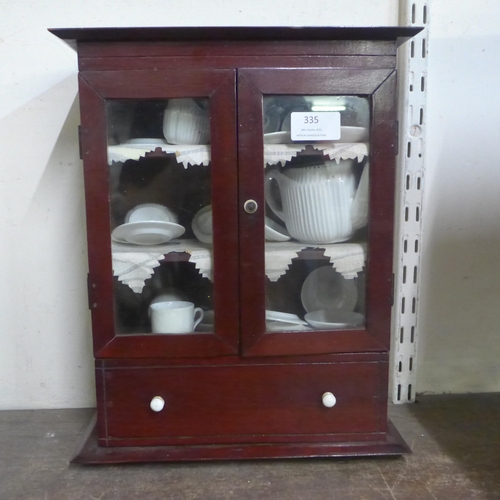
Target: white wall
{"x": 459, "y": 309}
{"x": 45, "y": 347}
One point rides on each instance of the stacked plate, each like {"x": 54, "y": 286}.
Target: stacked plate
{"x": 202, "y": 224}
{"x": 280, "y": 321}
{"x": 148, "y": 224}
{"x": 331, "y": 319}
{"x": 329, "y": 300}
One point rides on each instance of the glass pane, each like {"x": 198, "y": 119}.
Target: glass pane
{"x": 317, "y": 194}
{"x": 161, "y": 218}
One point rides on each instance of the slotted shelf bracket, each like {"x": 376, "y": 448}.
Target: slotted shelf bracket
{"x": 412, "y": 70}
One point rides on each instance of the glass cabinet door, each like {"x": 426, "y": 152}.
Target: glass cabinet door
{"x": 315, "y": 224}
{"x": 162, "y": 163}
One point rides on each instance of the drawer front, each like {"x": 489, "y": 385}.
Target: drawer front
{"x": 240, "y": 403}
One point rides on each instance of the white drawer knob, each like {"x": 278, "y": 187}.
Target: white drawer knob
{"x": 328, "y": 399}
{"x": 157, "y": 403}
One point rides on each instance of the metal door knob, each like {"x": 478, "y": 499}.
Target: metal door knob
{"x": 250, "y": 206}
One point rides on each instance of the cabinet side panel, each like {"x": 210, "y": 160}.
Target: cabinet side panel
{"x": 94, "y": 155}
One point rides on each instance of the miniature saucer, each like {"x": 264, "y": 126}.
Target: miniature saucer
{"x": 334, "y": 319}
{"x": 202, "y": 224}
{"x": 326, "y": 289}
{"x": 147, "y": 232}
{"x": 283, "y": 137}
{"x": 284, "y": 317}
{"x": 145, "y": 141}
{"x": 274, "y": 232}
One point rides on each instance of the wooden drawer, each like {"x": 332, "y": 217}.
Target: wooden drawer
{"x": 242, "y": 403}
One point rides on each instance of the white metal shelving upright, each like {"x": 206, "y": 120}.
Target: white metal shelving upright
{"x": 412, "y": 71}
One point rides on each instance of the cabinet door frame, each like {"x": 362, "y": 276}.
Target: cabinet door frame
{"x": 380, "y": 86}
{"x": 219, "y": 86}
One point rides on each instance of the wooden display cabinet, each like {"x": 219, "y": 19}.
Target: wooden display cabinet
{"x": 249, "y": 172}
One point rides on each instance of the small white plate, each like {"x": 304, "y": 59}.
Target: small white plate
{"x": 147, "y": 232}
{"x": 284, "y": 317}
{"x": 274, "y": 232}
{"x": 202, "y": 224}
{"x": 279, "y": 326}
{"x": 282, "y": 137}
{"x": 334, "y": 319}
{"x": 326, "y": 289}
{"x": 353, "y": 134}
{"x": 145, "y": 141}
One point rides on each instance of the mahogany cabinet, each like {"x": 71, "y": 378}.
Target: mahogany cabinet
{"x": 240, "y": 208}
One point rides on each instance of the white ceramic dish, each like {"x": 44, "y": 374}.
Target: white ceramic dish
{"x": 284, "y": 317}
{"x": 347, "y": 134}
{"x": 151, "y": 212}
{"x": 282, "y": 137}
{"x": 145, "y": 141}
{"x": 279, "y": 326}
{"x": 326, "y": 289}
{"x": 185, "y": 122}
{"x": 274, "y": 232}
{"x": 353, "y": 134}
{"x": 202, "y": 225}
{"x": 147, "y": 232}
{"x": 331, "y": 319}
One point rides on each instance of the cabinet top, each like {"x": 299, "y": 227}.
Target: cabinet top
{"x": 267, "y": 33}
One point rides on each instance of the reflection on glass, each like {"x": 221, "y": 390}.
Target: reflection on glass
{"x": 160, "y": 206}
{"x": 317, "y": 199}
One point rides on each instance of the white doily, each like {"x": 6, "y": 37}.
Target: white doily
{"x": 185, "y": 154}
{"x": 273, "y": 153}
{"x": 134, "y": 268}
{"x": 347, "y": 258}
{"x": 281, "y": 153}
{"x": 134, "y": 265}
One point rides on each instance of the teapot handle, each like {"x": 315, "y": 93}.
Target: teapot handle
{"x": 276, "y": 175}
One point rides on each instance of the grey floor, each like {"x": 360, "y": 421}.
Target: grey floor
{"x": 455, "y": 442}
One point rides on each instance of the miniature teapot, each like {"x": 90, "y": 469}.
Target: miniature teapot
{"x": 320, "y": 204}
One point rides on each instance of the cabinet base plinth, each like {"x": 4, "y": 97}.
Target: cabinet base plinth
{"x": 91, "y": 453}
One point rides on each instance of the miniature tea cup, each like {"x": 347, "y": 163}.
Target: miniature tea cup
{"x": 174, "y": 316}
